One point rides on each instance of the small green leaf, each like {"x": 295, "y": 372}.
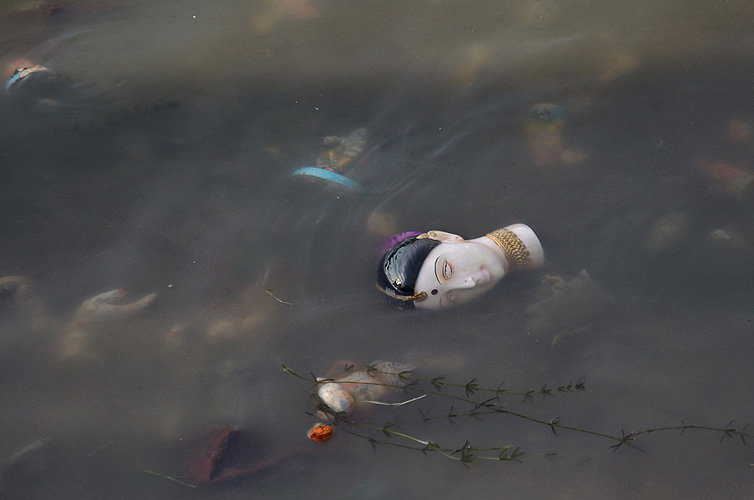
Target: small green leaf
{"x": 471, "y": 387}
{"x": 386, "y": 429}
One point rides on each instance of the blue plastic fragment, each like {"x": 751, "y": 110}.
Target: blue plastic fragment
{"x": 11, "y": 81}
{"x": 328, "y": 175}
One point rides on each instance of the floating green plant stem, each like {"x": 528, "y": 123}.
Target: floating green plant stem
{"x": 297, "y": 375}
{"x": 483, "y": 407}
{"x": 473, "y": 385}
{"x": 171, "y": 478}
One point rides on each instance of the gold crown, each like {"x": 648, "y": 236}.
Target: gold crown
{"x": 514, "y": 249}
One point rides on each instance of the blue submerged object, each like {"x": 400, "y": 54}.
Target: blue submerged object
{"x": 329, "y": 176}
{"x": 13, "y": 79}
{"x": 547, "y": 113}
{"x": 22, "y": 73}
{"x": 340, "y": 153}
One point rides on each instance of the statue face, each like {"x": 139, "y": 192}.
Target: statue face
{"x": 456, "y": 272}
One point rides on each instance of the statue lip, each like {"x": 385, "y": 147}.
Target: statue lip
{"x": 486, "y": 277}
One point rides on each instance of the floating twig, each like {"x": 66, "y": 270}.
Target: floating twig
{"x": 98, "y": 448}
{"x": 171, "y": 478}
{"x": 269, "y": 291}
{"x": 396, "y": 404}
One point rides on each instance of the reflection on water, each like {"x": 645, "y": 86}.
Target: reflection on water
{"x": 159, "y": 161}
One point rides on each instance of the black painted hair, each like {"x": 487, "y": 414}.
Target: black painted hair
{"x": 400, "y": 265}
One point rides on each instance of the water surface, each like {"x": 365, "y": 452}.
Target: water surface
{"x": 165, "y": 167}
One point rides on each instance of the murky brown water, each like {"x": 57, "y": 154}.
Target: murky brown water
{"x": 161, "y": 163}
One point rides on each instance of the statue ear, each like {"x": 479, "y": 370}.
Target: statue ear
{"x": 440, "y": 236}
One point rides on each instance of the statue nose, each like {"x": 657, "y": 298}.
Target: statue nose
{"x": 476, "y": 279}
{"x": 470, "y": 282}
